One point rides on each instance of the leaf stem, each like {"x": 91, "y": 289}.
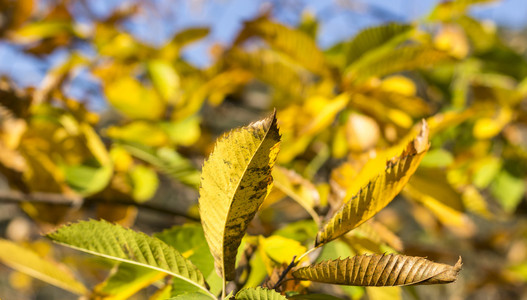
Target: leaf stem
{"x": 224, "y": 288}
{"x": 306, "y": 253}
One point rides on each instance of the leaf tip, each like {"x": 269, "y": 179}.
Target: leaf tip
{"x": 421, "y": 141}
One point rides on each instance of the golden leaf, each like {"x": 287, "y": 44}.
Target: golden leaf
{"x": 378, "y": 192}
{"x": 234, "y": 182}
{"x": 380, "y": 270}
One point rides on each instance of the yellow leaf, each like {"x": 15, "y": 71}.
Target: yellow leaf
{"x": 296, "y": 44}
{"x": 387, "y": 182}
{"x": 133, "y": 100}
{"x": 277, "y": 250}
{"x": 28, "y": 262}
{"x": 392, "y": 293}
{"x": 142, "y": 132}
{"x": 234, "y": 182}
{"x": 164, "y": 78}
{"x": 380, "y": 270}
{"x": 298, "y": 188}
{"x": 486, "y": 128}
{"x": 399, "y": 84}
{"x": 451, "y": 38}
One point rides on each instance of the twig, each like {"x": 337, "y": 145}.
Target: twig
{"x": 284, "y": 273}
{"x": 76, "y": 201}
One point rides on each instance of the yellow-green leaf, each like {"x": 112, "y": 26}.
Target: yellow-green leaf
{"x": 115, "y": 242}
{"x": 234, "y": 182}
{"x": 126, "y": 280}
{"x": 378, "y": 192}
{"x": 380, "y": 270}
{"x": 28, "y": 262}
{"x": 296, "y": 44}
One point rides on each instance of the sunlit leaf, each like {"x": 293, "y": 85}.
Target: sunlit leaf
{"x": 126, "y": 280}
{"x": 28, "y": 262}
{"x": 298, "y": 45}
{"x": 164, "y": 77}
{"x": 400, "y": 59}
{"x": 115, "y": 242}
{"x": 277, "y": 250}
{"x": 134, "y": 100}
{"x": 452, "y": 9}
{"x": 386, "y": 183}
{"x": 391, "y": 292}
{"x": 234, "y": 182}
{"x": 298, "y": 188}
{"x": 372, "y": 38}
{"x": 380, "y": 270}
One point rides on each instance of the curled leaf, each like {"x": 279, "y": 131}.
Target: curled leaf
{"x": 234, "y": 182}
{"x": 380, "y": 270}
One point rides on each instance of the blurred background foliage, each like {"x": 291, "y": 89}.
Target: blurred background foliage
{"x": 118, "y": 129}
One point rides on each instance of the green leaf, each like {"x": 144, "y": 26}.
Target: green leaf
{"x": 115, "y": 242}
{"x": 145, "y": 183}
{"x": 380, "y": 270}
{"x": 234, "y": 182}
{"x": 87, "y": 179}
{"x": 191, "y": 296}
{"x": 258, "y": 294}
{"x": 189, "y": 240}
{"x": 28, "y": 262}
{"x": 437, "y": 158}
{"x": 509, "y": 190}
{"x": 387, "y": 182}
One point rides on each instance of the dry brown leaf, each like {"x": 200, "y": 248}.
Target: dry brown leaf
{"x": 380, "y": 270}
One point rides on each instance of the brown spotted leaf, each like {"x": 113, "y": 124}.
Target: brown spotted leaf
{"x": 234, "y": 182}
{"x": 387, "y": 181}
{"x": 380, "y": 270}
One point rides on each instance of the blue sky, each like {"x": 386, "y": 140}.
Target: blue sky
{"x": 163, "y": 18}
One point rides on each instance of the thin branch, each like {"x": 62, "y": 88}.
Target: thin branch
{"x": 77, "y": 201}
{"x": 284, "y": 273}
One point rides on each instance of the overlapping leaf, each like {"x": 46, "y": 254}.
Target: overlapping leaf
{"x": 234, "y": 182}
{"x": 380, "y": 270}
{"x": 27, "y": 261}
{"x": 378, "y": 192}
{"x": 117, "y": 243}
{"x": 374, "y": 37}
{"x": 127, "y": 280}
